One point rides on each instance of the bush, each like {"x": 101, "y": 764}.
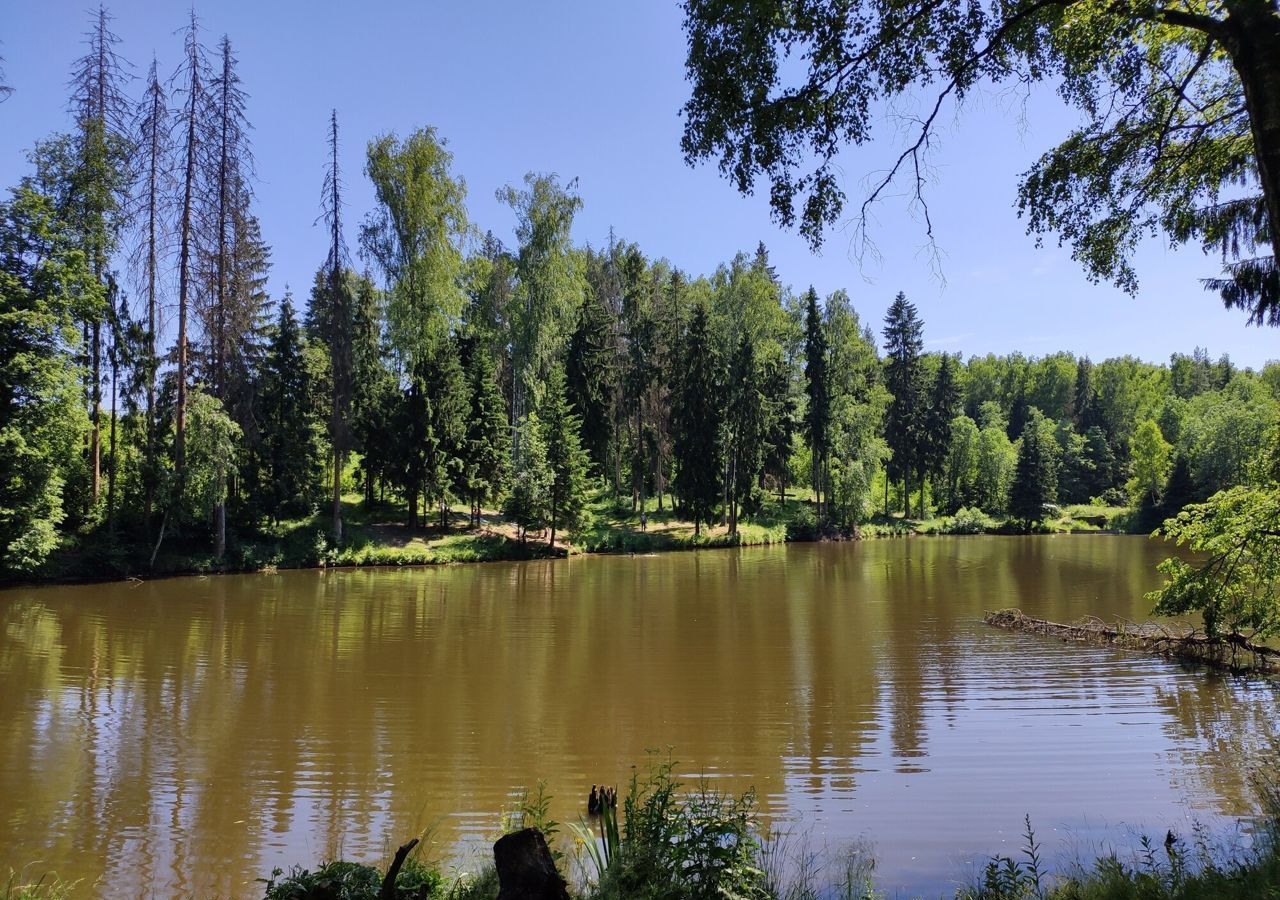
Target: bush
{"x": 339, "y": 880}
{"x": 967, "y": 521}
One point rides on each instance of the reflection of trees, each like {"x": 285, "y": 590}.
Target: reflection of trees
{"x": 1225, "y": 729}
{"x": 261, "y": 720}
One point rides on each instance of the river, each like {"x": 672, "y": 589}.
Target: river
{"x": 183, "y": 737}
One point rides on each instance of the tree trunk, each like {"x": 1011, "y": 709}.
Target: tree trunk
{"x": 1253, "y": 40}
{"x": 95, "y": 441}
{"x": 111, "y": 458}
{"x": 337, "y": 498}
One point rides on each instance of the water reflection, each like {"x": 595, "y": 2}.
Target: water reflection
{"x": 188, "y": 735}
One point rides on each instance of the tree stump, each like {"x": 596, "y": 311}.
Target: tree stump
{"x": 526, "y": 870}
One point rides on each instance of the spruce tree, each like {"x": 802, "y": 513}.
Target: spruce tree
{"x": 287, "y": 445}
{"x": 195, "y": 142}
{"x": 339, "y": 324}
{"x": 150, "y": 213}
{"x": 697, "y": 423}
{"x": 566, "y": 459}
{"x": 590, "y": 374}
{"x": 486, "y": 452}
{"x": 1035, "y": 481}
{"x": 743, "y": 429}
{"x": 98, "y": 192}
{"x": 817, "y": 416}
{"x": 1083, "y": 412}
{"x": 903, "y": 377}
{"x": 944, "y": 406}
{"x": 528, "y": 501}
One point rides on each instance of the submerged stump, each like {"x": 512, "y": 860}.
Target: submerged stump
{"x": 526, "y": 870}
{"x": 1233, "y": 652}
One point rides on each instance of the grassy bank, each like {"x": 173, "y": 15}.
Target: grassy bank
{"x": 375, "y": 535}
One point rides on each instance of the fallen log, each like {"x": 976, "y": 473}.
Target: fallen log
{"x": 1232, "y": 652}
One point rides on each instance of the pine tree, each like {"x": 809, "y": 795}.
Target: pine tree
{"x": 817, "y": 417}
{"x": 904, "y": 419}
{"x": 566, "y": 459}
{"x": 1035, "y": 481}
{"x": 696, "y": 424}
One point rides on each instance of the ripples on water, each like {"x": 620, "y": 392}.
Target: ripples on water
{"x": 189, "y": 735}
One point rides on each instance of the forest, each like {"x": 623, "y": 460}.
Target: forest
{"x": 160, "y": 410}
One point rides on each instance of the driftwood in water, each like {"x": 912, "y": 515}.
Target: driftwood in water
{"x": 1233, "y": 652}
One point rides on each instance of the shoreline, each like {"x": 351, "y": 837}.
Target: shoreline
{"x": 386, "y": 556}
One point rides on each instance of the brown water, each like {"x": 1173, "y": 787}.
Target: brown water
{"x": 183, "y": 737}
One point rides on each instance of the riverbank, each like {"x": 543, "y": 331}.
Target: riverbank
{"x": 375, "y": 535}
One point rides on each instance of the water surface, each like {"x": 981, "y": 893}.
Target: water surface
{"x": 185, "y": 736}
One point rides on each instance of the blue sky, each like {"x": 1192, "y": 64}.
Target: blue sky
{"x": 592, "y": 90}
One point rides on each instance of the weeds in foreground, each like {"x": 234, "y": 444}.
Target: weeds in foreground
{"x": 46, "y": 887}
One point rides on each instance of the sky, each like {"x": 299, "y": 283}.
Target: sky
{"x": 592, "y": 90}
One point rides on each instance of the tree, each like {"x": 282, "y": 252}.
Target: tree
{"x": 817, "y": 416}
{"x": 529, "y": 498}
{"x": 414, "y": 235}
{"x": 98, "y": 188}
{"x": 961, "y": 467}
{"x": 1234, "y": 578}
{"x": 1151, "y": 463}
{"x": 997, "y": 462}
{"x": 743, "y": 430}
{"x": 1035, "y": 481}
{"x": 339, "y": 324}
{"x": 549, "y": 283}
{"x": 486, "y": 454}
{"x": 566, "y": 459}
{"x": 903, "y": 377}
{"x": 211, "y": 453}
{"x": 697, "y": 423}
{"x": 288, "y": 444}
{"x": 45, "y": 285}
{"x": 1181, "y": 105}
{"x": 152, "y": 206}
{"x": 190, "y": 84}
{"x": 5, "y": 90}
{"x": 944, "y": 403}
{"x": 591, "y": 373}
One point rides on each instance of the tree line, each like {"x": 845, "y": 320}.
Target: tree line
{"x": 152, "y": 390}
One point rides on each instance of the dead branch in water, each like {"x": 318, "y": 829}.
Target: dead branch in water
{"x": 1233, "y": 653}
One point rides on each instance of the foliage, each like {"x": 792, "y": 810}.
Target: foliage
{"x": 675, "y": 846}
{"x": 414, "y": 235}
{"x": 1168, "y": 141}
{"x": 1151, "y": 464}
{"x": 1234, "y": 578}
{"x": 338, "y": 880}
{"x": 45, "y": 285}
